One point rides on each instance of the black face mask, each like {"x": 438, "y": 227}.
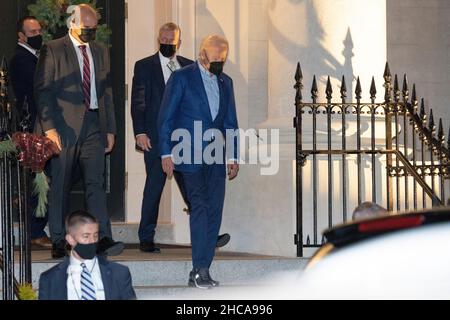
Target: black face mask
{"x": 86, "y": 251}
{"x": 88, "y": 34}
{"x": 35, "y": 42}
{"x": 216, "y": 67}
{"x": 168, "y": 50}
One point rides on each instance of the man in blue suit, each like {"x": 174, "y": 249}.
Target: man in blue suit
{"x": 150, "y": 77}
{"x": 84, "y": 275}
{"x": 199, "y": 102}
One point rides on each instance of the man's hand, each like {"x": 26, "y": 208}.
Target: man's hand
{"x": 110, "y": 139}
{"x": 167, "y": 166}
{"x": 53, "y": 135}
{"x": 233, "y": 169}
{"x": 143, "y": 142}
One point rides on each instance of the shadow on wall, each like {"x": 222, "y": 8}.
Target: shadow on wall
{"x": 314, "y": 56}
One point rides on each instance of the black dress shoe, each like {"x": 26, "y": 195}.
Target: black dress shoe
{"x": 59, "y": 249}
{"x": 198, "y": 278}
{"x": 149, "y": 247}
{"x": 222, "y": 240}
{"x": 109, "y": 247}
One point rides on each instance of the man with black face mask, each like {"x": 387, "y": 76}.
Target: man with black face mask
{"x": 150, "y": 77}
{"x": 22, "y": 68}
{"x": 199, "y": 99}
{"x": 84, "y": 275}
{"x": 75, "y": 110}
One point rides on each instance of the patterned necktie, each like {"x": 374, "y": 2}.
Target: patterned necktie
{"x": 86, "y": 77}
{"x": 87, "y": 284}
{"x": 171, "y": 65}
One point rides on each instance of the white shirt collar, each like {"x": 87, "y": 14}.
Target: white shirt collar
{"x": 26, "y": 46}
{"x": 165, "y": 60}
{"x": 75, "y": 264}
{"x": 77, "y": 43}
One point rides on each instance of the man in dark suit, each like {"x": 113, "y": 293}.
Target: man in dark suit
{"x": 150, "y": 77}
{"x": 199, "y": 106}
{"x": 75, "y": 110}
{"x": 22, "y": 68}
{"x": 83, "y": 275}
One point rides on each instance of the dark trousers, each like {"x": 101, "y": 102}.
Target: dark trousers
{"x": 205, "y": 191}
{"x": 154, "y": 185}
{"x": 89, "y": 154}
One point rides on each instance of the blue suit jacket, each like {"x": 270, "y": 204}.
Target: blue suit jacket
{"x": 184, "y": 102}
{"x": 147, "y": 92}
{"x": 116, "y": 281}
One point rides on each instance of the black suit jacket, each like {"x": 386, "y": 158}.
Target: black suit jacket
{"x": 22, "y": 68}
{"x": 59, "y": 94}
{"x": 116, "y": 281}
{"x": 147, "y": 93}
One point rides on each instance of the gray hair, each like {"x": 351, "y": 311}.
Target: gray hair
{"x": 368, "y": 210}
{"x": 169, "y": 26}
{"x": 214, "y": 40}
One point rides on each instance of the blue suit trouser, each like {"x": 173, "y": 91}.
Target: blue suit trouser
{"x": 205, "y": 191}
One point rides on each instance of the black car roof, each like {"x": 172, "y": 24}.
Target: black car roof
{"x": 356, "y": 231}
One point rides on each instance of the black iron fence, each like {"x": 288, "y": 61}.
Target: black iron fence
{"x": 350, "y": 152}
{"x": 15, "y": 264}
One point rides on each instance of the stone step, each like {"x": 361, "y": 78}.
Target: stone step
{"x": 171, "y": 268}
{"x": 128, "y": 232}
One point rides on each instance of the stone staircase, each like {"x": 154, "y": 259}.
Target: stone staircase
{"x": 165, "y": 275}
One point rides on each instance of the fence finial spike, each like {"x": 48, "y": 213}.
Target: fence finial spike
{"x": 358, "y": 89}
{"x": 329, "y": 89}
{"x": 405, "y": 86}
{"x": 431, "y": 121}
{"x": 396, "y": 86}
{"x": 298, "y": 84}
{"x": 314, "y": 90}
{"x": 422, "y": 114}
{"x": 343, "y": 88}
{"x": 299, "y": 73}
{"x": 414, "y": 95}
{"x": 441, "y": 131}
{"x": 373, "y": 89}
{"x": 387, "y": 72}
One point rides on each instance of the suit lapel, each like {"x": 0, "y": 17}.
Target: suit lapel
{"x": 200, "y": 88}
{"x": 106, "y": 278}
{"x": 61, "y": 280}
{"x": 70, "y": 51}
{"x": 159, "y": 75}
{"x": 222, "y": 97}
{"x": 95, "y": 58}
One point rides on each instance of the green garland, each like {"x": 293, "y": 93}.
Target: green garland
{"x": 7, "y": 147}
{"x": 52, "y": 16}
{"x": 41, "y": 188}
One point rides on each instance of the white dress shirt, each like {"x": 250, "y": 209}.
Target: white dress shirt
{"x": 166, "y": 71}
{"x": 33, "y": 51}
{"x": 164, "y": 65}
{"x": 76, "y": 44}
{"x": 74, "y": 278}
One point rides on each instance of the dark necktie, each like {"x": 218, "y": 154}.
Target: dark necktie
{"x": 86, "y": 77}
